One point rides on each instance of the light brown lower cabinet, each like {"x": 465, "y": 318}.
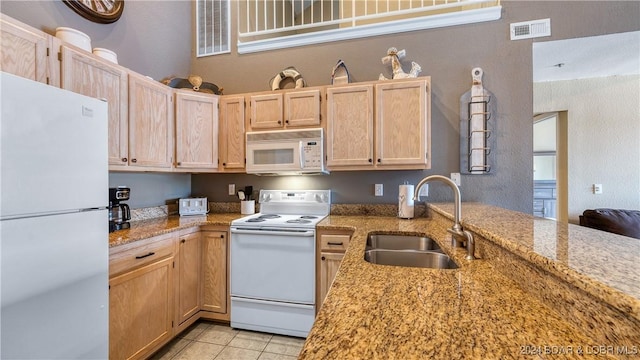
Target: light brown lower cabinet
{"x": 188, "y": 270}
{"x": 141, "y": 297}
{"x": 160, "y": 286}
{"x": 332, "y": 246}
{"x": 215, "y": 277}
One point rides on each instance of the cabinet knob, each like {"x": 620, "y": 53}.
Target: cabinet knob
{"x": 323, "y": 258}
{"x": 286, "y": 121}
{"x": 124, "y": 159}
{"x": 183, "y": 241}
{"x": 221, "y": 236}
{"x": 224, "y": 164}
{"x": 179, "y": 163}
{"x": 134, "y": 160}
{"x": 370, "y": 160}
{"x": 279, "y": 122}
{"x": 379, "y": 160}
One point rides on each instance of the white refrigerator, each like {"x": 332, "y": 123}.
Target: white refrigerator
{"x": 54, "y": 255}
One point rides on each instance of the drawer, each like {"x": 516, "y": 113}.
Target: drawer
{"x": 334, "y": 242}
{"x": 140, "y": 253}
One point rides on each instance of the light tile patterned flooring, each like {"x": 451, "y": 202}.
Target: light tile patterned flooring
{"x": 209, "y": 340}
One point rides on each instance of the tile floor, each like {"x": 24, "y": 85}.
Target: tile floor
{"x": 210, "y": 340}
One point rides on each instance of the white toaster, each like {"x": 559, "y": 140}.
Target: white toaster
{"x": 193, "y": 206}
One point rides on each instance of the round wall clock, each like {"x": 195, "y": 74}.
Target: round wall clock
{"x": 100, "y": 11}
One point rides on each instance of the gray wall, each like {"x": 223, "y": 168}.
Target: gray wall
{"x": 149, "y": 189}
{"x": 151, "y": 37}
{"x": 447, "y": 55}
{"x": 154, "y": 38}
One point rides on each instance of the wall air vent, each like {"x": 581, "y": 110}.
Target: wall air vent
{"x": 530, "y": 29}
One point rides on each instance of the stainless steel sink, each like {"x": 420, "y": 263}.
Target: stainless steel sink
{"x": 406, "y": 250}
{"x": 401, "y": 242}
{"x": 410, "y": 258}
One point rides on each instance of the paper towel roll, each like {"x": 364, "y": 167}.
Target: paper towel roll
{"x": 405, "y": 201}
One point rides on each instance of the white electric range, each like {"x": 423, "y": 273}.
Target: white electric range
{"x": 272, "y": 261}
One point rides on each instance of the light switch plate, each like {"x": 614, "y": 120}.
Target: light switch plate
{"x": 456, "y": 178}
{"x": 232, "y": 189}
{"x": 378, "y": 190}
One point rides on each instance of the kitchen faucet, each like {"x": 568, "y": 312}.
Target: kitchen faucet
{"x": 459, "y": 234}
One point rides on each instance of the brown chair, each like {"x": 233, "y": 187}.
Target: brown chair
{"x": 617, "y": 221}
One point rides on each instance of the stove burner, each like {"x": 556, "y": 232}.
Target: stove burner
{"x": 308, "y": 217}
{"x": 298, "y": 221}
{"x": 268, "y": 216}
{"x": 255, "y": 220}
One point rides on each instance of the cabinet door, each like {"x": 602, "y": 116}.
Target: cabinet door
{"x": 189, "y": 270}
{"x": 350, "y": 126}
{"x": 140, "y": 310}
{"x": 214, "y": 271}
{"x": 329, "y": 264}
{"x": 402, "y": 122}
{"x": 24, "y": 50}
{"x": 150, "y": 123}
{"x": 88, "y": 75}
{"x": 302, "y": 108}
{"x": 232, "y": 129}
{"x": 266, "y": 111}
{"x": 196, "y": 131}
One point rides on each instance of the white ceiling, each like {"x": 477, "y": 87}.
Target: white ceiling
{"x": 588, "y": 57}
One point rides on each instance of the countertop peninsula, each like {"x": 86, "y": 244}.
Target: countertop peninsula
{"x": 540, "y": 289}
{"x": 527, "y": 295}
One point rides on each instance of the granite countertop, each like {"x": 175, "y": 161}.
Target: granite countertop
{"x": 479, "y": 310}
{"x": 475, "y": 311}
{"x": 144, "y": 229}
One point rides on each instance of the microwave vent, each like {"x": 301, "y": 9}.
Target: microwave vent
{"x": 284, "y": 135}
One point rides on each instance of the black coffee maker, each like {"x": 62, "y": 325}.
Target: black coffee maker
{"x": 119, "y": 213}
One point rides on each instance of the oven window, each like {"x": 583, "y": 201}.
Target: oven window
{"x": 272, "y": 156}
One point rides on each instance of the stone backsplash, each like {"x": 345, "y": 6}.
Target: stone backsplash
{"x": 234, "y": 207}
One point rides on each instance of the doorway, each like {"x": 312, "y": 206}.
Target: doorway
{"x": 550, "y": 166}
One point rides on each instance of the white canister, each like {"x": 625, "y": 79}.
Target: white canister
{"x": 74, "y": 37}
{"x": 405, "y": 201}
{"x": 106, "y": 54}
{"x": 247, "y": 207}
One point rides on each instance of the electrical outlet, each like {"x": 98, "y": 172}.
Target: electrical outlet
{"x": 424, "y": 190}
{"x": 597, "y": 189}
{"x": 456, "y": 178}
{"x": 232, "y": 189}
{"x": 378, "y": 190}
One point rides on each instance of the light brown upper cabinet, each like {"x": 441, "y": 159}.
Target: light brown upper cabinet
{"x": 28, "y": 52}
{"x": 83, "y": 73}
{"x": 350, "y": 126}
{"x": 196, "y": 131}
{"x": 402, "y": 124}
{"x": 379, "y": 125}
{"x": 232, "y": 129}
{"x": 295, "y": 108}
{"x": 150, "y": 124}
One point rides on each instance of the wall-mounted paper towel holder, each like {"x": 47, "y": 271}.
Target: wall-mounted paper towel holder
{"x": 477, "y": 124}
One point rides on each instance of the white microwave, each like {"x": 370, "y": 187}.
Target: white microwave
{"x": 286, "y": 152}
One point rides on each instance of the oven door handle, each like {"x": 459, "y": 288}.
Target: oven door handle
{"x": 304, "y": 233}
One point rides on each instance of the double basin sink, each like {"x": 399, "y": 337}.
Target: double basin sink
{"x": 407, "y": 251}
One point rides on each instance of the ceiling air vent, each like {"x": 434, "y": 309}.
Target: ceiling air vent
{"x": 530, "y": 29}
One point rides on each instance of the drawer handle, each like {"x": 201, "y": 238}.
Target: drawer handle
{"x": 144, "y": 256}
{"x": 334, "y": 243}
